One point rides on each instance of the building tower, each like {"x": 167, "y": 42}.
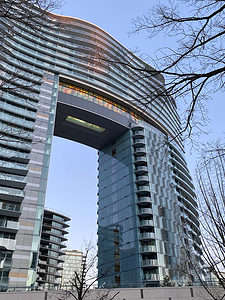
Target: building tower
{"x": 146, "y": 196}
{"x": 51, "y": 253}
{"x": 72, "y": 263}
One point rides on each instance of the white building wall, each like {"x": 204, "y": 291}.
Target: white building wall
{"x": 72, "y": 262}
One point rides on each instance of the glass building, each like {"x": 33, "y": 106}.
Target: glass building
{"x": 66, "y": 84}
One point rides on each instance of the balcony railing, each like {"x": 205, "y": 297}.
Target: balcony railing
{"x": 9, "y": 244}
{"x": 12, "y": 225}
{"x": 148, "y": 248}
{"x": 142, "y": 179}
{"x": 139, "y": 142}
{"x": 138, "y": 133}
{"x": 140, "y": 150}
{"x": 147, "y": 235}
{"x": 140, "y": 159}
{"x": 145, "y": 211}
{"x": 143, "y": 188}
{"x": 141, "y": 169}
{"x": 151, "y": 276}
{"x": 150, "y": 262}
{"x": 144, "y": 199}
{"x": 146, "y": 223}
{"x": 11, "y": 192}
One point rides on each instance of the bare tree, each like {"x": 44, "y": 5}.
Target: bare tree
{"x": 196, "y": 66}
{"x": 209, "y": 269}
{"x": 81, "y": 285}
{"x": 24, "y": 12}
{"x": 211, "y": 181}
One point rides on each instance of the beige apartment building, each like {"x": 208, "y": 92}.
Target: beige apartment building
{"x": 72, "y": 262}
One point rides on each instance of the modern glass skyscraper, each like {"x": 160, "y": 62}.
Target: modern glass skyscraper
{"x": 67, "y": 85}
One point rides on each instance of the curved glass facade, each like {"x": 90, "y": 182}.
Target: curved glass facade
{"x": 146, "y": 200}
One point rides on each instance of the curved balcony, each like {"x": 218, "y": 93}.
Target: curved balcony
{"x": 148, "y": 249}
{"x": 143, "y": 190}
{"x": 140, "y": 170}
{"x": 140, "y": 151}
{"x": 147, "y": 235}
{"x": 184, "y": 184}
{"x": 185, "y": 194}
{"x": 140, "y": 160}
{"x": 145, "y": 211}
{"x": 142, "y": 179}
{"x": 146, "y": 263}
{"x": 139, "y": 142}
{"x": 144, "y": 200}
{"x": 139, "y": 133}
{"x": 146, "y": 223}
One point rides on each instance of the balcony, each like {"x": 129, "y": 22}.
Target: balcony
{"x": 48, "y": 248}
{"x": 151, "y": 276}
{"x": 41, "y": 270}
{"x": 12, "y": 180}
{"x": 9, "y": 244}
{"x": 19, "y": 168}
{"x": 140, "y": 159}
{"x": 138, "y": 133}
{"x": 141, "y": 170}
{"x": 144, "y": 200}
{"x": 15, "y": 155}
{"x": 139, "y": 151}
{"x": 142, "y": 179}
{"x": 149, "y": 263}
{"x": 143, "y": 189}
{"x": 147, "y": 235}
{"x": 139, "y": 142}
{"x": 11, "y": 194}
{"x": 6, "y": 264}
{"x": 145, "y": 211}
{"x": 148, "y": 249}
{"x": 9, "y": 224}
{"x": 9, "y": 213}
{"x": 146, "y": 223}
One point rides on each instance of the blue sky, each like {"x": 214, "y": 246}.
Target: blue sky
{"x": 72, "y": 184}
